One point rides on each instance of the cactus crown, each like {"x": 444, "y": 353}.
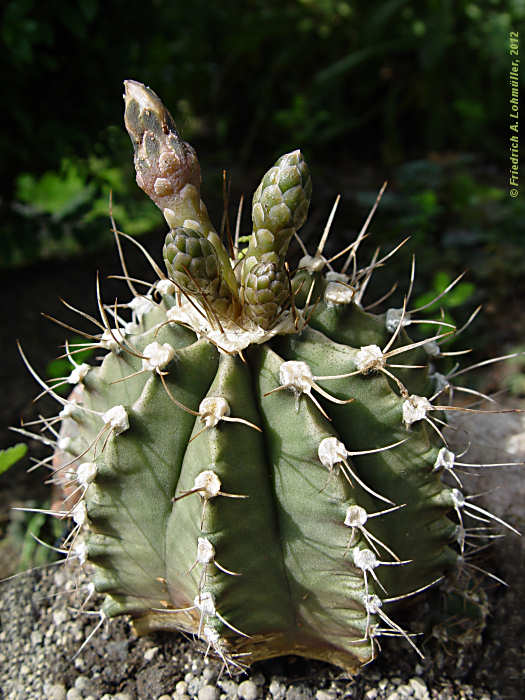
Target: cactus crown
{"x": 258, "y": 459}
{"x": 240, "y": 293}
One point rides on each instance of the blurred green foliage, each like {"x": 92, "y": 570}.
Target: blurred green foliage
{"x": 514, "y": 376}
{"x": 349, "y": 81}
{"x": 20, "y": 548}
{"x": 457, "y": 220}
{"x": 66, "y": 211}
{"x": 442, "y": 309}
{"x": 11, "y": 456}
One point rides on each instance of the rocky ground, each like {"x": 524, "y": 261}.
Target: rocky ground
{"x": 41, "y": 634}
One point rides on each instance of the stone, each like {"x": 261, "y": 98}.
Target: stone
{"x": 208, "y": 692}
{"x": 248, "y": 690}
{"x": 57, "y": 691}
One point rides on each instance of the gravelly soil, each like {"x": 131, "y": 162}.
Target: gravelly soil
{"x": 40, "y": 633}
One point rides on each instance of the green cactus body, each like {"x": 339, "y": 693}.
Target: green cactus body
{"x": 258, "y": 475}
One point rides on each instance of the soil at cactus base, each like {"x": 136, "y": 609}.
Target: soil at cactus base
{"x": 39, "y": 633}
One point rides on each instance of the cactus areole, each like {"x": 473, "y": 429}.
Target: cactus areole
{"x": 256, "y": 458}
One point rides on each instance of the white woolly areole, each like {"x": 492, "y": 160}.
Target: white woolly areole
{"x": 205, "y": 550}
{"x": 393, "y": 319}
{"x": 373, "y": 604}
{"x": 460, "y": 534}
{"x": 108, "y": 340}
{"x": 79, "y": 513}
{"x": 157, "y": 356}
{"x": 297, "y": 376}
{"x": 131, "y": 328}
{"x": 140, "y": 306}
{"x": 86, "y": 473}
{"x": 165, "y": 287}
{"x": 232, "y": 338}
{"x": 441, "y": 381}
{"x": 516, "y": 443}
{"x": 355, "y": 516}
{"x": 369, "y": 357}
{"x": 212, "y": 409}
{"x": 365, "y": 559}
{"x": 78, "y": 374}
{"x": 205, "y": 603}
{"x": 338, "y": 293}
{"x": 432, "y": 348}
{"x": 312, "y": 263}
{"x": 444, "y": 459}
{"x": 211, "y": 635}
{"x": 208, "y": 484}
{"x": 333, "y": 276}
{"x": 63, "y": 444}
{"x": 415, "y": 408}
{"x": 331, "y": 451}
{"x": 68, "y": 410}
{"x": 80, "y": 550}
{"x": 458, "y": 499}
{"x": 117, "y": 418}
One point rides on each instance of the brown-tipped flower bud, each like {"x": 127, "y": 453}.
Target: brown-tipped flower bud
{"x": 164, "y": 163}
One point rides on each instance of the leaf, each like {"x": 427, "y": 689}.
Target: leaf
{"x": 11, "y": 455}
{"x": 55, "y": 193}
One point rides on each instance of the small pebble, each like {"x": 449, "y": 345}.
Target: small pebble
{"x": 277, "y": 690}
{"x": 60, "y": 617}
{"x": 259, "y": 679}
{"x": 248, "y": 690}
{"x": 57, "y": 691}
{"x": 324, "y": 695}
{"x": 209, "y": 673}
{"x": 80, "y": 663}
{"x": 36, "y": 638}
{"x": 74, "y": 694}
{"x": 371, "y": 694}
{"x": 150, "y": 653}
{"x": 298, "y": 693}
{"x": 81, "y": 683}
{"x": 181, "y": 688}
{"x": 121, "y": 696}
{"x": 419, "y": 688}
{"x": 230, "y": 688}
{"x": 208, "y": 692}
{"x": 164, "y": 697}
{"x": 194, "y": 686}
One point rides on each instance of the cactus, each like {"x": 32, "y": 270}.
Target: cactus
{"x": 257, "y": 460}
